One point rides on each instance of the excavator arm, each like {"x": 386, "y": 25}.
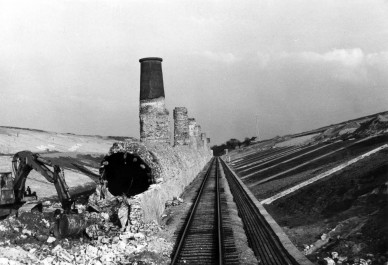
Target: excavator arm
{"x": 25, "y": 161}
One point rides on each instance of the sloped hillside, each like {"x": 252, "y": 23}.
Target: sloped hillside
{"x": 357, "y": 128}
{"x": 13, "y": 140}
{"x": 78, "y": 155}
{"x": 327, "y": 188}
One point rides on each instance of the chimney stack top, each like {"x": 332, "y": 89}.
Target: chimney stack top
{"x": 151, "y": 78}
{"x": 151, "y": 59}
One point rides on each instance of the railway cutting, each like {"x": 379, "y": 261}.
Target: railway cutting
{"x": 206, "y": 236}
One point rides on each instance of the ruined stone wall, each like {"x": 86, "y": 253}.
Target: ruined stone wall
{"x": 181, "y": 127}
{"x": 154, "y": 117}
{"x": 197, "y": 134}
{"x": 154, "y": 121}
{"x": 192, "y": 137}
{"x": 204, "y": 140}
{"x": 172, "y": 169}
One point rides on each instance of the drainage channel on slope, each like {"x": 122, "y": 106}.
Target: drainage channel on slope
{"x": 205, "y": 237}
{"x": 263, "y": 241}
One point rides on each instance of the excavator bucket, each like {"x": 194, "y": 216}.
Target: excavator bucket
{"x": 7, "y": 195}
{"x": 70, "y": 225}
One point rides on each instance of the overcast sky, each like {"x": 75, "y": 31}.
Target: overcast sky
{"x": 72, "y": 66}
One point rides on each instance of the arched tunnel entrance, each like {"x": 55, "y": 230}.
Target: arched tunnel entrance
{"x": 126, "y": 174}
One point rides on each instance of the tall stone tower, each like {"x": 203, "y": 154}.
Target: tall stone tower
{"x": 197, "y": 134}
{"x": 181, "y": 126}
{"x": 204, "y": 140}
{"x": 192, "y": 136}
{"x": 154, "y": 119}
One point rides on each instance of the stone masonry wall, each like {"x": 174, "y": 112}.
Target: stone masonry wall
{"x": 192, "y": 137}
{"x": 154, "y": 121}
{"x": 204, "y": 140}
{"x": 197, "y": 134}
{"x": 181, "y": 127}
{"x": 173, "y": 168}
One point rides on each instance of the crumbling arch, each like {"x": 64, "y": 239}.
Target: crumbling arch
{"x": 126, "y": 173}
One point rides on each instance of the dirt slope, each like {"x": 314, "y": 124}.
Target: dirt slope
{"x": 78, "y": 155}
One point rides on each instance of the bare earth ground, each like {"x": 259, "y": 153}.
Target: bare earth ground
{"x": 353, "y": 202}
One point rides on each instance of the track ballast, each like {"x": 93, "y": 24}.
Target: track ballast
{"x": 206, "y": 236}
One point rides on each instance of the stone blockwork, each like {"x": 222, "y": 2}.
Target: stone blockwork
{"x": 197, "y": 134}
{"x": 181, "y": 127}
{"x": 192, "y": 137}
{"x": 154, "y": 117}
{"x": 154, "y": 121}
{"x": 204, "y": 140}
{"x": 172, "y": 169}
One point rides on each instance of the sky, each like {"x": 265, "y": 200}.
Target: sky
{"x": 288, "y": 66}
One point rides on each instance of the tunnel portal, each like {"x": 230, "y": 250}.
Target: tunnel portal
{"x": 127, "y": 174}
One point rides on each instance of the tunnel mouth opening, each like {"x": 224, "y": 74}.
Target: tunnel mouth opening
{"x": 127, "y": 174}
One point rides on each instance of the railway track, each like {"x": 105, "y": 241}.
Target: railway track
{"x": 206, "y": 236}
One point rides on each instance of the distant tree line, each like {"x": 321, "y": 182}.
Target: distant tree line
{"x": 231, "y": 144}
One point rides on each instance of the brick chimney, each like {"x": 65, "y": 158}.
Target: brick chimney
{"x": 154, "y": 117}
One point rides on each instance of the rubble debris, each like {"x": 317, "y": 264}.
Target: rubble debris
{"x": 123, "y": 213}
{"x": 175, "y": 201}
{"x": 92, "y": 231}
{"x": 46, "y": 203}
{"x": 69, "y": 225}
{"x": 339, "y": 259}
{"x": 329, "y": 261}
{"x": 46, "y": 223}
{"x": 342, "y": 231}
{"x": 51, "y": 239}
{"x": 30, "y": 239}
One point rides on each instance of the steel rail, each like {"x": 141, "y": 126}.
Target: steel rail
{"x": 219, "y": 217}
{"x": 220, "y": 247}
